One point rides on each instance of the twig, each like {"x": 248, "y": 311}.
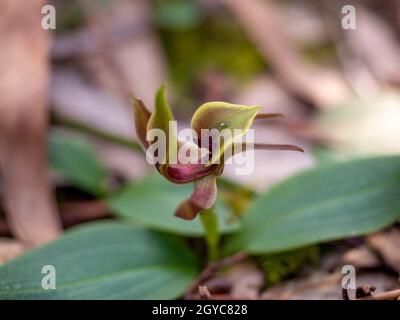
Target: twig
{"x": 388, "y": 295}
{"x": 212, "y": 268}
{"x": 365, "y": 291}
{"x": 204, "y": 293}
{"x": 345, "y": 294}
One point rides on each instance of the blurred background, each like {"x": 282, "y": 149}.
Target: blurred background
{"x": 67, "y": 135}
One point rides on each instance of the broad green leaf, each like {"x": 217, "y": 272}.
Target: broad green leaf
{"x": 233, "y": 119}
{"x": 77, "y": 162}
{"x": 335, "y": 201}
{"x": 105, "y": 260}
{"x": 153, "y": 201}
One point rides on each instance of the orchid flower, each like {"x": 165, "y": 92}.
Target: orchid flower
{"x": 211, "y": 115}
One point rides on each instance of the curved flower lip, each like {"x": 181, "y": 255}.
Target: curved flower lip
{"x": 214, "y": 116}
{"x": 203, "y": 197}
{"x": 184, "y": 173}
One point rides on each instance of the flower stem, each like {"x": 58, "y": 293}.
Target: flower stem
{"x": 212, "y": 236}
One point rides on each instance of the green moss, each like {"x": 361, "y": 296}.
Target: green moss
{"x": 70, "y": 16}
{"x": 280, "y": 266}
{"x": 216, "y": 43}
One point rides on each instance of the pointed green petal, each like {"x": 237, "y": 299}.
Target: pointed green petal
{"x": 141, "y": 118}
{"x": 223, "y": 116}
{"x": 203, "y": 197}
{"x": 160, "y": 119}
{"x": 162, "y": 114}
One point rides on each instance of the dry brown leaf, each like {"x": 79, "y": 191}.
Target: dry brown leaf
{"x": 136, "y": 64}
{"x": 327, "y": 286}
{"x": 122, "y": 161}
{"x": 387, "y": 245}
{"x": 76, "y": 99}
{"x": 246, "y": 280}
{"x": 10, "y": 249}
{"x": 24, "y": 68}
{"x": 271, "y": 96}
{"x": 361, "y": 257}
{"x": 317, "y": 286}
{"x": 265, "y": 26}
{"x": 392, "y": 8}
{"x": 306, "y": 25}
{"x": 373, "y": 32}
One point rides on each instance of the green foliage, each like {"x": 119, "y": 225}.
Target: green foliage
{"x": 279, "y": 266}
{"x": 217, "y": 43}
{"x": 235, "y": 196}
{"x": 336, "y": 200}
{"x": 152, "y": 202}
{"x": 177, "y": 14}
{"x": 103, "y": 261}
{"x": 69, "y": 16}
{"x": 332, "y": 202}
{"x": 77, "y": 162}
